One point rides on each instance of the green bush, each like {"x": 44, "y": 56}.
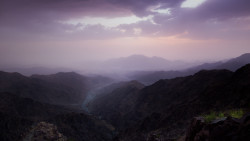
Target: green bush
{"x": 210, "y": 117}
{"x": 221, "y": 115}
{"x": 237, "y": 113}
{"x": 213, "y": 116}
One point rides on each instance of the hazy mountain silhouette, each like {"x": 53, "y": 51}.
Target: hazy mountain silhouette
{"x": 122, "y": 95}
{"x": 143, "y": 63}
{"x": 149, "y": 77}
{"x": 231, "y": 64}
{"x": 167, "y": 106}
{"x": 60, "y": 88}
{"x": 27, "y": 71}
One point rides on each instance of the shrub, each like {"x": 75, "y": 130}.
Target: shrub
{"x": 237, "y": 113}
{"x": 210, "y": 117}
{"x": 221, "y": 115}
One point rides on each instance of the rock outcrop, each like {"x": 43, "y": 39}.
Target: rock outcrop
{"x": 44, "y": 131}
{"x": 229, "y": 129}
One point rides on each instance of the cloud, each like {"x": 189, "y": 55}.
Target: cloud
{"x": 42, "y": 18}
{"x": 224, "y": 19}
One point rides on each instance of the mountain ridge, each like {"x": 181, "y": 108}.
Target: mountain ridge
{"x": 167, "y": 106}
{"x": 18, "y": 115}
{"x": 61, "y": 88}
{"x": 149, "y": 77}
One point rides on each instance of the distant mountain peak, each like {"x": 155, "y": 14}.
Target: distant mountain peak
{"x": 11, "y": 75}
{"x": 136, "y": 55}
{"x": 245, "y": 54}
{"x": 139, "y": 62}
{"x": 68, "y": 74}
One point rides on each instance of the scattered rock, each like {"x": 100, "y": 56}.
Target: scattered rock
{"x": 44, "y": 131}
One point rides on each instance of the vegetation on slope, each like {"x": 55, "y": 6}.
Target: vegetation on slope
{"x": 235, "y": 113}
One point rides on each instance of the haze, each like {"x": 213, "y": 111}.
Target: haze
{"x": 63, "y": 33}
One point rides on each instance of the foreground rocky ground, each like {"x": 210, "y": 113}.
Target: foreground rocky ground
{"x": 229, "y": 129}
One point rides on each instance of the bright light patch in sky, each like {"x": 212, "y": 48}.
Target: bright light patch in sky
{"x": 137, "y": 31}
{"x": 107, "y": 22}
{"x": 162, "y": 11}
{"x": 192, "y": 3}
{"x": 158, "y": 9}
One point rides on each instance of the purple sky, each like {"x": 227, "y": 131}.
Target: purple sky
{"x": 63, "y": 33}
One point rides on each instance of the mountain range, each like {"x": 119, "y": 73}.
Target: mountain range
{"x": 96, "y": 108}
{"x": 166, "y": 107}
{"x": 149, "y": 77}
{"x": 26, "y": 103}
{"x": 141, "y": 62}
{"x": 60, "y": 88}
{"x": 145, "y": 69}
{"x": 19, "y": 116}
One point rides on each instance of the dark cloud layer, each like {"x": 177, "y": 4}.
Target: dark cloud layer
{"x": 44, "y": 16}
{"x": 13, "y": 10}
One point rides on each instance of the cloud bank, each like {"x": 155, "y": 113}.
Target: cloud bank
{"x": 51, "y": 18}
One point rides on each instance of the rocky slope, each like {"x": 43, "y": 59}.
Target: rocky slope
{"x": 44, "y": 131}
{"x": 229, "y": 129}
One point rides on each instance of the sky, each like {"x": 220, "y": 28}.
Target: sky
{"x": 65, "y": 33}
